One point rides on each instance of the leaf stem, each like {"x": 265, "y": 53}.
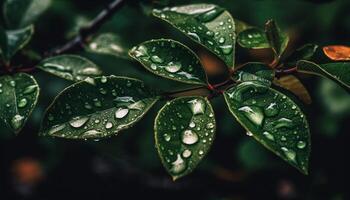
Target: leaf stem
{"x": 281, "y": 72}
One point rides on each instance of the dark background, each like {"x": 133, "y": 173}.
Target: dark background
{"x": 127, "y": 166}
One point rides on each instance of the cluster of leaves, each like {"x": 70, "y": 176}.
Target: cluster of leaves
{"x": 98, "y": 106}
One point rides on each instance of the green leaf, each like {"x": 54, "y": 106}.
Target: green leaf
{"x": 17, "y": 39}
{"x": 97, "y": 108}
{"x": 109, "y": 44}
{"x": 184, "y": 131}
{"x": 253, "y": 38}
{"x": 278, "y": 40}
{"x": 70, "y": 67}
{"x": 207, "y": 24}
{"x": 21, "y": 13}
{"x": 255, "y": 71}
{"x": 170, "y": 59}
{"x": 305, "y": 52}
{"x": 338, "y": 72}
{"x": 273, "y": 119}
{"x": 18, "y": 97}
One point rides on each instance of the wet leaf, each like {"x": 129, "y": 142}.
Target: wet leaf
{"x": 273, "y": 119}
{"x": 18, "y": 97}
{"x": 184, "y": 131}
{"x": 305, "y": 52}
{"x": 337, "y": 52}
{"x": 170, "y": 59}
{"x": 294, "y": 85}
{"x": 207, "y": 24}
{"x": 256, "y": 72}
{"x": 253, "y": 38}
{"x": 70, "y": 67}
{"x": 278, "y": 40}
{"x": 338, "y": 72}
{"x": 21, "y": 13}
{"x": 16, "y": 40}
{"x": 109, "y": 44}
{"x": 97, "y": 108}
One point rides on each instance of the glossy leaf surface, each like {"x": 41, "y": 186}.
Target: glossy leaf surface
{"x": 18, "y": 97}
{"x": 184, "y": 132}
{"x": 97, "y": 108}
{"x": 70, "y": 67}
{"x": 207, "y": 24}
{"x": 258, "y": 72}
{"x": 338, "y": 72}
{"x": 21, "y": 13}
{"x": 170, "y": 59}
{"x": 273, "y": 119}
{"x": 109, "y": 44}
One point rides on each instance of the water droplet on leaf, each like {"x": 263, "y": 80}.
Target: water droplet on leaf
{"x": 253, "y": 113}
{"x": 78, "y": 122}
{"x": 121, "y": 113}
{"x": 189, "y": 137}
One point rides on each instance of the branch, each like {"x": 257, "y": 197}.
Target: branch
{"x": 281, "y": 72}
{"x": 87, "y": 31}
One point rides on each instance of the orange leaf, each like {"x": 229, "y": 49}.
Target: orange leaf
{"x": 337, "y": 52}
{"x": 293, "y": 84}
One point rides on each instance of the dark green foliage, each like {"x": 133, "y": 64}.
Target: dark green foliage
{"x": 97, "y": 106}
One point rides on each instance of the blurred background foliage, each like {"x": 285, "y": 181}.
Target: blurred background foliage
{"x": 127, "y": 165}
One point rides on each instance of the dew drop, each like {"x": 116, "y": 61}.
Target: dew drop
{"x": 121, "y": 113}
{"x": 271, "y": 110}
{"x": 30, "y": 89}
{"x": 210, "y": 125}
{"x": 139, "y": 105}
{"x": 92, "y": 133}
{"x": 178, "y": 165}
{"x": 221, "y": 40}
{"x": 167, "y": 137}
{"x": 186, "y": 153}
{"x": 210, "y": 15}
{"x": 253, "y": 113}
{"x": 194, "y": 35}
{"x": 108, "y": 125}
{"x": 139, "y": 51}
{"x": 268, "y": 135}
{"x": 249, "y": 133}
{"x": 22, "y": 103}
{"x": 103, "y": 79}
{"x": 192, "y": 125}
{"x": 153, "y": 66}
{"x": 283, "y": 123}
{"x": 201, "y": 152}
{"x": 301, "y": 144}
{"x": 13, "y": 83}
{"x": 189, "y": 137}
{"x": 290, "y": 154}
{"x": 156, "y": 59}
{"x": 210, "y": 33}
{"x": 17, "y": 121}
{"x": 173, "y": 67}
{"x": 226, "y": 49}
{"x": 55, "y": 129}
{"x": 197, "y": 106}
{"x": 78, "y": 122}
